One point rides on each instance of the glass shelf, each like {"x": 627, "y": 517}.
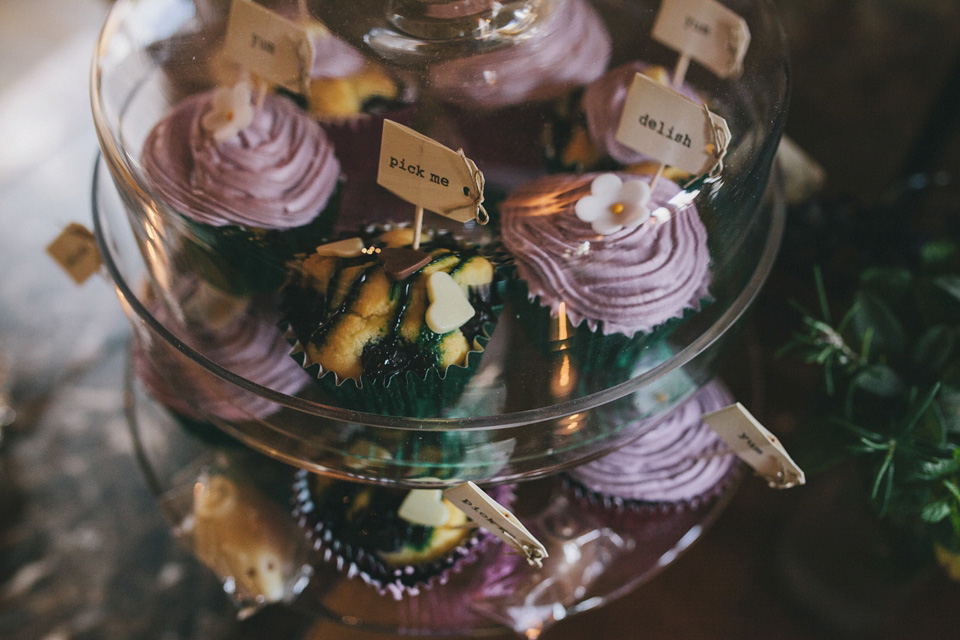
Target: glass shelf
{"x": 494, "y": 448}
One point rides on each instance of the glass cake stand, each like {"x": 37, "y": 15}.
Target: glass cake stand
{"x": 528, "y": 411}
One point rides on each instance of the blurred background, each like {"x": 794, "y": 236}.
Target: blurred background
{"x": 84, "y": 552}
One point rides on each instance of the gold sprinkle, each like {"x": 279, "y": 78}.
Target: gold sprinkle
{"x": 617, "y": 208}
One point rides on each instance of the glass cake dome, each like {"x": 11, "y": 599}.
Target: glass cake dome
{"x": 241, "y": 268}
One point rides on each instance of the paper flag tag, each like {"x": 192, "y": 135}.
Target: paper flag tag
{"x": 755, "y": 445}
{"x": 268, "y": 45}
{"x": 673, "y": 129}
{"x": 487, "y": 513}
{"x": 705, "y": 30}
{"x": 425, "y": 173}
{"x": 75, "y": 250}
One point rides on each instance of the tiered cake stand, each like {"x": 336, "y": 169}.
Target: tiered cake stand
{"x": 522, "y": 421}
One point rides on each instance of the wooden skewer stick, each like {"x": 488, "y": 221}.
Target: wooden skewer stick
{"x": 417, "y": 225}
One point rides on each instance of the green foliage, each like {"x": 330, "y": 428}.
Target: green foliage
{"x": 891, "y": 370}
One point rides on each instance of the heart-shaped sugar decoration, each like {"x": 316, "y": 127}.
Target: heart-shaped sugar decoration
{"x": 449, "y": 308}
{"x": 400, "y": 262}
{"x": 347, "y": 248}
{"x": 424, "y": 506}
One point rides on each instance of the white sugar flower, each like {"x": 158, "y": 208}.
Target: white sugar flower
{"x": 614, "y": 204}
{"x": 230, "y": 112}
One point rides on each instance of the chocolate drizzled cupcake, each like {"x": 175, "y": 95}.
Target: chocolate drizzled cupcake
{"x": 377, "y": 535}
{"x": 387, "y": 328}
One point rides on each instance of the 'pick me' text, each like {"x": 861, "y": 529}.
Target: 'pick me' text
{"x": 417, "y": 170}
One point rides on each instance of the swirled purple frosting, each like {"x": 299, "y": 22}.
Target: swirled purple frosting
{"x": 627, "y": 282}
{"x": 602, "y": 103}
{"x": 277, "y": 173}
{"x": 569, "y": 49}
{"x": 250, "y": 346}
{"x": 675, "y": 461}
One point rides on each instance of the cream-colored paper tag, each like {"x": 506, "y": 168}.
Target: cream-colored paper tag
{"x": 755, "y": 445}
{"x": 671, "y": 128}
{"x": 268, "y": 45}
{"x": 705, "y": 30}
{"x": 76, "y": 251}
{"x": 487, "y": 513}
{"x": 425, "y": 173}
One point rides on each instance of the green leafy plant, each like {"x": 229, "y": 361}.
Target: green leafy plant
{"x": 891, "y": 367}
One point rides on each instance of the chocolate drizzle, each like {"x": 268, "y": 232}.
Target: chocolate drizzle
{"x": 484, "y": 314}
{"x": 327, "y": 322}
{"x": 309, "y": 311}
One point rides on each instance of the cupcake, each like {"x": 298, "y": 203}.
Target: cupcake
{"x": 254, "y": 185}
{"x": 223, "y": 330}
{"x": 387, "y": 328}
{"x": 581, "y": 134}
{"x": 603, "y": 264}
{"x": 399, "y": 541}
{"x": 675, "y": 462}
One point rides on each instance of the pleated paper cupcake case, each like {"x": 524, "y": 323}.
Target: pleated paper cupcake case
{"x": 356, "y": 562}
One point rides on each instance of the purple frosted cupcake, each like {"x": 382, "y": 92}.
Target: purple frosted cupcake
{"x": 677, "y": 462}
{"x": 253, "y": 184}
{"x": 247, "y": 344}
{"x": 608, "y": 275}
{"x": 374, "y": 534}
